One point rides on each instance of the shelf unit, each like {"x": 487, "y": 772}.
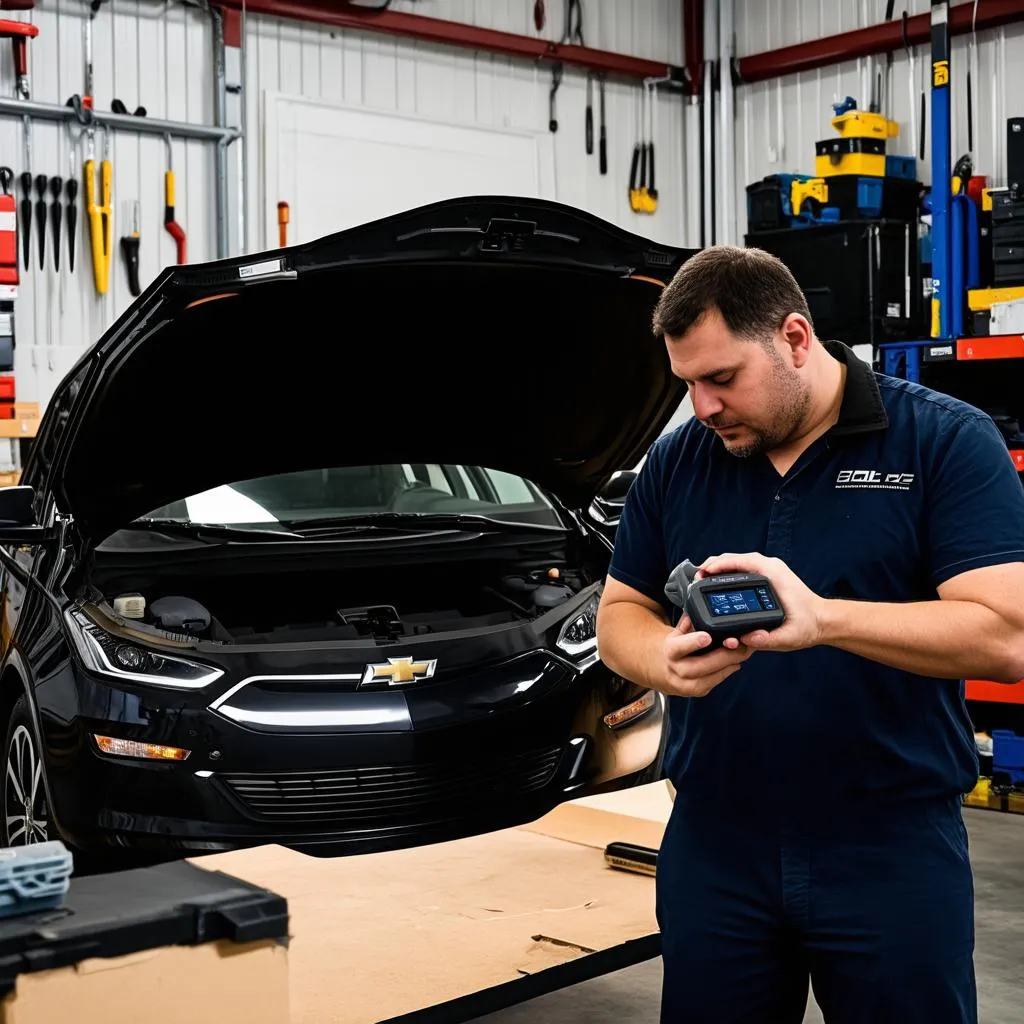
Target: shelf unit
{"x": 994, "y": 357}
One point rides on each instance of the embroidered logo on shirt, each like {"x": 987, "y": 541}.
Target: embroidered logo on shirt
{"x": 873, "y": 480}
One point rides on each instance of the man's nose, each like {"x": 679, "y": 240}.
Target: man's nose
{"x": 705, "y": 403}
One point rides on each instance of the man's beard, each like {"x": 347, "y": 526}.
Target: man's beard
{"x": 790, "y": 400}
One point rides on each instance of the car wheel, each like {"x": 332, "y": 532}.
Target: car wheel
{"x": 26, "y": 816}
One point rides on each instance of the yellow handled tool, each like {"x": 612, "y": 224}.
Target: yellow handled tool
{"x": 101, "y": 221}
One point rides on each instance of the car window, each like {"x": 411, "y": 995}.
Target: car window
{"x": 337, "y": 492}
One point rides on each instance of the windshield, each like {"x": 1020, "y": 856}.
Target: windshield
{"x": 289, "y": 499}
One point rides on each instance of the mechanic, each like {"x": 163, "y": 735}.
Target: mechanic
{"x": 816, "y": 834}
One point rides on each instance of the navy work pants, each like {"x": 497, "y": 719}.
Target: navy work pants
{"x": 874, "y": 909}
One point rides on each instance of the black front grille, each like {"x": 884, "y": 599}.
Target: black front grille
{"x": 381, "y": 796}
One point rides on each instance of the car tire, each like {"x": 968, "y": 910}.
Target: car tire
{"x": 26, "y": 813}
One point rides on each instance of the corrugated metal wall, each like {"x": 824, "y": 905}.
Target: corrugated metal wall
{"x": 159, "y": 54}
{"x": 377, "y": 72}
{"x": 778, "y": 122}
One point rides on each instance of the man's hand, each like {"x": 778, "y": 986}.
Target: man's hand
{"x": 691, "y": 673}
{"x": 804, "y": 609}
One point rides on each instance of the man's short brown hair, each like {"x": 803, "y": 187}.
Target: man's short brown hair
{"x": 753, "y": 290}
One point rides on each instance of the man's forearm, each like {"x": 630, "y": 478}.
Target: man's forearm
{"x": 629, "y": 640}
{"x": 948, "y": 639}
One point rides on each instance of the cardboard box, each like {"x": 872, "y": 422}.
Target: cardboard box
{"x": 131, "y": 947}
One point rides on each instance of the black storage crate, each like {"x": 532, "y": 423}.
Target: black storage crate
{"x": 862, "y": 279}
{"x": 129, "y": 912}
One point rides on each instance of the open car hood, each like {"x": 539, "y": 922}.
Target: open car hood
{"x": 509, "y": 333}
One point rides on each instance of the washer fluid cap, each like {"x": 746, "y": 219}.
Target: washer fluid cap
{"x": 131, "y": 606}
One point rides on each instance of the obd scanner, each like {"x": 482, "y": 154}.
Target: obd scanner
{"x": 727, "y": 605}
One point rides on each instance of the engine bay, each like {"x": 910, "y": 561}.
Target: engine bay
{"x": 377, "y": 604}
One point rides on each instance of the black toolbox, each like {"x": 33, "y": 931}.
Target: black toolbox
{"x": 218, "y": 944}
{"x": 862, "y": 279}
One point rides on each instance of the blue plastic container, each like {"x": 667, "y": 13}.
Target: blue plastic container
{"x": 34, "y": 877}
{"x": 1008, "y": 755}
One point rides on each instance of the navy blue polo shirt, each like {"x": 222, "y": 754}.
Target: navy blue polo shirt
{"x": 909, "y": 488}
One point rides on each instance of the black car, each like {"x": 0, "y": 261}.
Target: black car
{"x": 309, "y": 546}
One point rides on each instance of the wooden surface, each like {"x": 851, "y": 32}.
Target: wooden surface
{"x": 385, "y": 934}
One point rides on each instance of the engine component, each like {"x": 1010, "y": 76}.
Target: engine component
{"x": 549, "y": 595}
{"x": 180, "y": 615}
{"x": 131, "y": 606}
{"x": 379, "y": 621}
{"x": 542, "y": 588}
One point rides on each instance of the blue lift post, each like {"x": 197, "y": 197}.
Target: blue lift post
{"x": 942, "y": 294}
{"x": 906, "y": 355}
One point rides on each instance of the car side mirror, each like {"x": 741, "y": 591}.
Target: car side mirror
{"x": 616, "y": 489}
{"x": 606, "y": 508}
{"x": 17, "y": 519}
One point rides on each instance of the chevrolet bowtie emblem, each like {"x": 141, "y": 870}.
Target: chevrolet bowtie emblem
{"x": 397, "y": 671}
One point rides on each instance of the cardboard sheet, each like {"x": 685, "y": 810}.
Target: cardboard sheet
{"x": 383, "y": 935}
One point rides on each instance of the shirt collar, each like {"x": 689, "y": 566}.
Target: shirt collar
{"x": 862, "y": 409}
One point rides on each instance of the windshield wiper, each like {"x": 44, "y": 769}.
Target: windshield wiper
{"x": 414, "y": 522}
{"x": 217, "y": 531}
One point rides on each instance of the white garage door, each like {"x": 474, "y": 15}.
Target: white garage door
{"x": 358, "y": 165}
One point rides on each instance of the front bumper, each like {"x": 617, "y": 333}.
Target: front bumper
{"x": 425, "y": 764}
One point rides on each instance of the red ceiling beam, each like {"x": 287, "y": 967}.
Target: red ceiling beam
{"x": 876, "y": 39}
{"x": 454, "y": 33}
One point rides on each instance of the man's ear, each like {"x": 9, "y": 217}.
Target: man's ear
{"x": 797, "y": 334}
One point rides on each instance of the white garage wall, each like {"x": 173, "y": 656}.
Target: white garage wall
{"x": 159, "y": 54}
{"x": 385, "y": 74}
{"x": 778, "y": 122}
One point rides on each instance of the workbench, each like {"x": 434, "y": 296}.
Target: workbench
{"x": 445, "y": 932}
{"x": 453, "y": 931}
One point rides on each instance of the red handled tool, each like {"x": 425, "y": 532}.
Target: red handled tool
{"x": 173, "y": 228}
{"x": 19, "y": 33}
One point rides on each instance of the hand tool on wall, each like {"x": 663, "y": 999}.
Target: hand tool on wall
{"x": 589, "y": 119}
{"x": 19, "y": 33}
{"x": 100, "y": 215}
{"x": 283, "y": 217}
{"x": 572, "y": 35}
{"x": 118, "y": 107}
{"x": 912, "y": 85}
{"x": 539, "y": 15}
{"x": 26, "y": 216}
{"x": 636, "y": 174}
{"x": 71, "y": 196}
{"x": 42, "y": 184}
{"x": 972, "y": 63}
{"x": 130, "y": 250}
{"x": 556, "y": 81}
{"x": 56, "y": 189}
{"x": 603, "y": 134}
{"x": 173, "y": 228}
{"x": 650, "y": 195}
{"x": 885, "y": 84}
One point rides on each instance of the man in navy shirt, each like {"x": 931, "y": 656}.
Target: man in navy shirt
{"x": 817, "y": 832}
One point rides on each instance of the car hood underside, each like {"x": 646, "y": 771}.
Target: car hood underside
{"x": 433, "y": 336}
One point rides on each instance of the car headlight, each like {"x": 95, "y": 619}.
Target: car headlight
{"x": 578, "y": 637}
{"x": 126, "y": 661}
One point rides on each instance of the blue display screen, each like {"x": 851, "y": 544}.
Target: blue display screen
{"x": 740, "y": 602}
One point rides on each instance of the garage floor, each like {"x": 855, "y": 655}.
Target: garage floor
{"x": 997, "y": 846}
